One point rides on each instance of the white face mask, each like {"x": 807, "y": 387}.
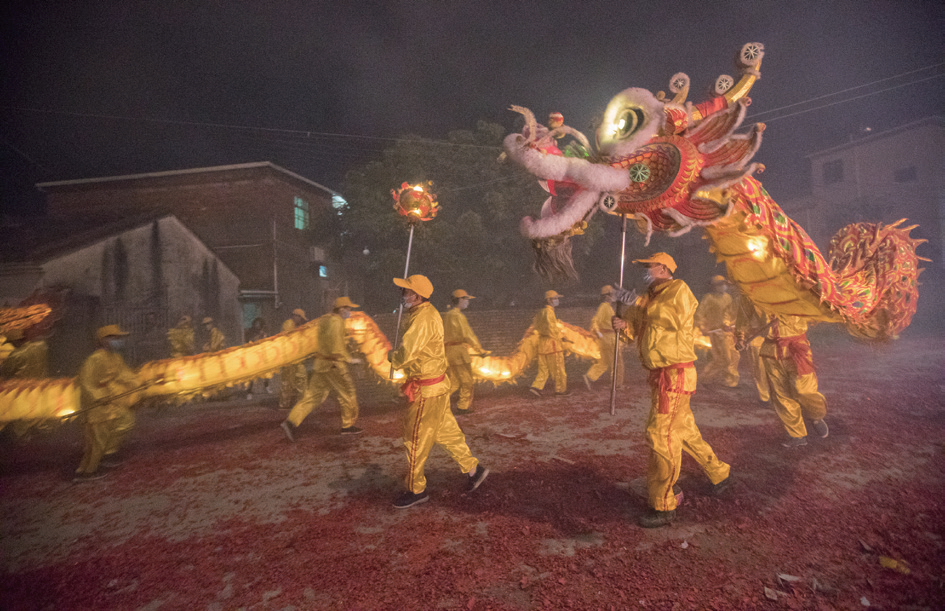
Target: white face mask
{"x": 410, "y": 299}
{"x": 463, "y": 304}
{"x": 344, "y": 313}
{"x": 648, "y": 277}
{"x": 115, "y": 344}
{"x": 554, "y": 303}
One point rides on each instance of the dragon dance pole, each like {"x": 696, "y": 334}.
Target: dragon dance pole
{"x": 417, "y": 204}
{"x": 613, "y": 370}
{"x": 400, "y": 312}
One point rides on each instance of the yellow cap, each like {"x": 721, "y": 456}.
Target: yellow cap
{"x": 206, "y": 320}
{"x": 300, "y": 312}
{"x": 461, "y": 294}
{"x": 109, "y": 331}
{"x": 718, "y": 280}
{"x": 344, "y": 302}
{"x": 606, "y": 289}
{"x": 659, "y": 257}
{"x": 183, "y": 320}
{"x": 552, "y": 295}
{"x": 420, "y": 285}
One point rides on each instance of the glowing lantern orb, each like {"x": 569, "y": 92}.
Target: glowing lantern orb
{"x": 415, "y": 202}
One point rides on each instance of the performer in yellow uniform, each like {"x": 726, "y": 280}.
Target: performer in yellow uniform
{"x": 715, "y": 317}
{"x": 550, "y": 348}
{"x": 789, "y": 366}
{"x": 330, "y": 373}
{"x": 215, "y": 339}
{"x": 181, "y": 337}
{"x": 662, "y": 321}
{"x": 460, "y": 339}
{"x": 106, "y": 420}
{"x": 428, "y": 419}
{"x": 29, "y": 358}
{"x": 294, "y": 378}
{"x": 601, "y": 327}
{"x": 750, "y": 333}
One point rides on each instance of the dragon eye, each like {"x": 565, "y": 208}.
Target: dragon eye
{"x": 628, "y": 122}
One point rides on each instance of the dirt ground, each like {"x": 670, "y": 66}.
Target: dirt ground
{"x": 215, "y": 509}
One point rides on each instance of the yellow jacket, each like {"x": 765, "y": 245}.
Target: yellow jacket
{"x": 784, "y": 326}
{"x": 549, "y": 331}
{"x": 332, "y": 351}
{"x": 28, "y": 361}
{"x": 458, "y": 337}
{"x": 600, "y": 324}
{"x": 181, "y": 340}
{"x": 421, "y": 354}
{"x": 663, "y": 322}
{"x": 716, "y": 310}
{"x": 105, "y": 374}
{"x": 216, "y": 341}
{"x": 288, "y": 325}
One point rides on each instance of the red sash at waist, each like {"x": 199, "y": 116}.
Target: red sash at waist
{"x": 411, "y": 387}
{"x": 798, "y": 349}
{"x": 660, "y": 379}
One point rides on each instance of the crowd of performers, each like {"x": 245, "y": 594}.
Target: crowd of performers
{"x": 434, "y": 354}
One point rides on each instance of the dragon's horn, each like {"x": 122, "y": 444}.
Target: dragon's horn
{"x": 749, "y": 62}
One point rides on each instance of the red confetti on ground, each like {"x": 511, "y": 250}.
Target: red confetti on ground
{"x": 215, "y": 509}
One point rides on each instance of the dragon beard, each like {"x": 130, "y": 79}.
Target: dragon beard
{"x": 553, "y": 260}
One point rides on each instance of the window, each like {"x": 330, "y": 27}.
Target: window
{"x": 909, "y": 174}
{"x": 322, "y": 271}
{"x": 301, "y": 213}
{"x": 833, "y": 172}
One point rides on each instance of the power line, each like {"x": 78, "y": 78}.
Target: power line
{"x": 820, "y": 97}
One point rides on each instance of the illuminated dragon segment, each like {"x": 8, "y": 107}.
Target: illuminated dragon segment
{"x": 672, "y": 166}
{"x": 57, "y": 398}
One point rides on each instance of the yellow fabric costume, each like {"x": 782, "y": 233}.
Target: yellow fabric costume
{"x": 600, "y": 327}
{"x": 550, "y": 350}
{"x": 716, "y": 318}
{"x": 105, "y": 374}
{"x": 181, "y": 339}
{"x": 216, "y": 342}
{"x": 29, "y": 360}
{"x": 663, "y": 324}
{"x": 330, "y": 373}
{"x": 293, "y": 378}
{"x": 789, "y": 367}
{"x": 460, "y": 339}
{"x": 428, "y": 419}
{"x": 749, "y": 321}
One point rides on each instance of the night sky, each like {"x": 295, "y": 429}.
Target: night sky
{"x": 97, "y": 88}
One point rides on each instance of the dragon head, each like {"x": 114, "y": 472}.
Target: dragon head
{"x": 663, "y": 162}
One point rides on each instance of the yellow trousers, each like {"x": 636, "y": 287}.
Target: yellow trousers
{"x": 606, "y": 361}
{"x": 461, "y": 379}
{"x": 795, "y": 397}
{"x": 668, "y": 435}
{"x": 723, "y": 366}
{"x": 320, "y": 384}
{"x": 429, "y": 421}
{"x": 292, "y": 382}
{"x": 103, "y": 438}
{"x": 758, "y": 368}
{"x": 553, "y": 365}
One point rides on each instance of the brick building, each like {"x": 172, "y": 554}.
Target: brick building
{"x": 266, "y": 223}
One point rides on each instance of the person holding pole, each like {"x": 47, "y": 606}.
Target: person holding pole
{"x": 330, "y": 373}
{"x": 601, "y": 327}
{"x": 428, "y": 419}
{"x": 460, "y": 339}
{"x": 715, "y": 317}
{"x": 292, "y": 378}
{"x": 662, "y": 321}
{"x": 550, "y": 348}
{"x": 104, "y": 383}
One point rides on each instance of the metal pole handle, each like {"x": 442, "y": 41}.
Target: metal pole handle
{"x": 400, "y": 311}
{"x": 613, "y": 383}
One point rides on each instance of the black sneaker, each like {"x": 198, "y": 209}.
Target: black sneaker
{"x": 463, "y": 412}
{"x": 535, "y": 391}
{"x": 820, "y": 427}
{"x": 722, "y": 486}
{"x": 477, "y": 478}
{"x": 88, "y": 477}
{"x": 111, "y": 461}
{"x": 795, "y": 442}
{"x": 351, "y": 430}
{"x": 566, "y": 393}
{"x": 289, "y": 429}
{"x": 656, "y": 519}
{"x": 409, "y": 499}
